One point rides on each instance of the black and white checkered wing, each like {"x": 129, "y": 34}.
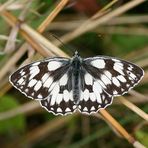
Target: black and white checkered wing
{"x": 92, "y": 95}
{"x": 102, "y": 78}
{"x": 114, "y": 76}
{"x": 60, "y": 100}
{"x": 37, "y": 79}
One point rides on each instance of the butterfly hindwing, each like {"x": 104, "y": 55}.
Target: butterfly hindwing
{"x": 60, "y": 99}
{"x": 92, "y": 95}
{"x": 34, "y": 80}
{"x": 114, "y": 75}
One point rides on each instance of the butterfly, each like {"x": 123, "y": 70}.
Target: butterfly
{"x": 64, "y": 85}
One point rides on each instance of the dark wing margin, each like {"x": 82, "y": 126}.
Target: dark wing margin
{"x": 34, "y": 80}
{"x": 116, "y": 76}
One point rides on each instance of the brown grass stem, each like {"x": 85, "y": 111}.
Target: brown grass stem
{"x": 117, "y": 126}
{"x": 52, "y": 15}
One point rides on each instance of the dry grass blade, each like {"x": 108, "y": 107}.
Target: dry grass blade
{"x": 3, "y": 7}
{"x": 29, "y": 34}
{"x": 133, "y": 55}
{"x": 12, "y": 61}
{"x": 100, "y": 13}
{"x": 123, "y": 30}
{"x": 34, "y": 43}
{"x": 52, "y": 15}
{"x": 103, "y": 11}
{"x": 145, "y": 79}
{"x": 41, "y": 132}
{"x": 143, "y": 63}
{"x": 129, "y": 20}
{"x": 137, "y": 144}
{"x": 43, "y": 41}
{"x": 24, "y": 47}
{"x": 4, "y": 37}
{"x": 23, "y": 109}
{"x": 100, "y": 21}
{"x": 138, "y": 99}
{"x": 70, "y": 25}
{"x": 10, "y": 45}
{"x": 15, "y": 6}
{"x": 134, "y": 108}
{"x": 137, "y": 94}
{"x": 28, "y": 31}
{"x": 4, "y": 89}
{"x": 119, "y": 128}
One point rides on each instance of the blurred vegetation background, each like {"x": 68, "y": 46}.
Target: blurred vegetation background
{"x": 116, "y": 28}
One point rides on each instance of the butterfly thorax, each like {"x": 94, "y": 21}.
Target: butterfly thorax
{"x": 76, "y": 66}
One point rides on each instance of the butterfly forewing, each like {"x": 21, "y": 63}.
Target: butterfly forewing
{"x": 34, "y": 80}
{"x": 115, "y": 76}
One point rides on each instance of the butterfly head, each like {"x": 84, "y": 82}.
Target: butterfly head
{"x": 76, "y": 57}
{"x": 76, "y": 54}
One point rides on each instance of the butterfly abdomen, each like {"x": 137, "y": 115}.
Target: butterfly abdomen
{"x": 76, "y": 65}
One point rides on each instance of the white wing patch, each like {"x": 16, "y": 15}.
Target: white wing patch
{"x": 64, "y": 79}
{"x": 38, "y": 86}
{"x": 88, "y": 79}
{"x": 53, "y": 65}
{"x": 32, "y": 83}
{"x": 34, "y": 70}
{"x": 121, "y": 78}
{"x": 48, "y": 82}
{"x": 99, "y": 63}
{"x": 45, "y": 77}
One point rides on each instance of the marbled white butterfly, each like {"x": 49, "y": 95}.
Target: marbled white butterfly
{"x": 65, "y": 85}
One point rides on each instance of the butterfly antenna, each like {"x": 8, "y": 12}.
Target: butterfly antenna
{"x": 64, "y": 45}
